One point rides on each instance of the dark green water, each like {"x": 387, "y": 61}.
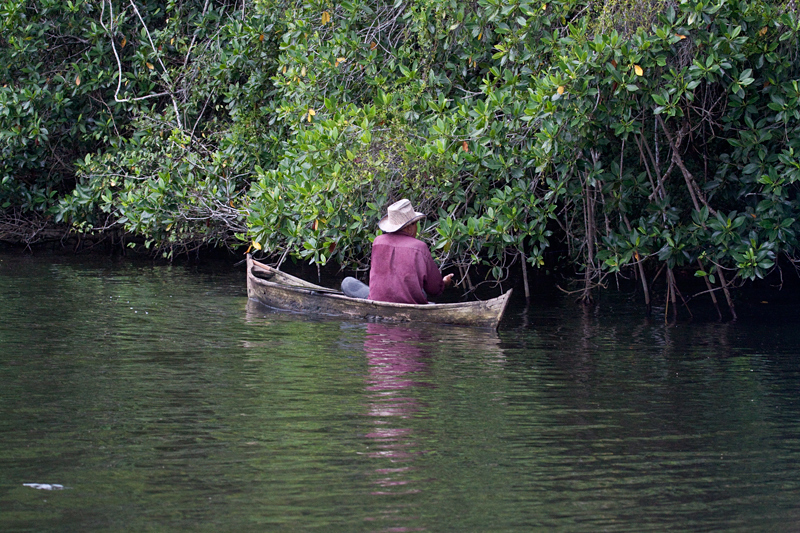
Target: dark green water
{"x": 162, "y": 401}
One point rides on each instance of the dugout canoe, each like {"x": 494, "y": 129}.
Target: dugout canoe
{"x": 280, "y": 290}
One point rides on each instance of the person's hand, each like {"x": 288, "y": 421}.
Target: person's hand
{"x": 448, "y": 280}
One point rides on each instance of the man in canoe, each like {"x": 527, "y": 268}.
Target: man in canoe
{"x": 402, "y": 269}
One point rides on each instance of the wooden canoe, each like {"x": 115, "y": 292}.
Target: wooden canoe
{"x": 280, "y": 290}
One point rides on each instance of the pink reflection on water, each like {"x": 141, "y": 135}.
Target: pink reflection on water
{"x": 391, "y": 470}
{"x": 388, "y": 433}
{"x": 395, "y": 359}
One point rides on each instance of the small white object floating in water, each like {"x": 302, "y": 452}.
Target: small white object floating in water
{"x": 43, "y": 486}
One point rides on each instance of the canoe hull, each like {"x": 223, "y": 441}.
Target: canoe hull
{"x": 286, "y": 292}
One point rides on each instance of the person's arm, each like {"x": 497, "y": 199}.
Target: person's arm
{"x": 434, "y": 284}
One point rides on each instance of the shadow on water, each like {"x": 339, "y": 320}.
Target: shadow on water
{"x": 668, "y": 421}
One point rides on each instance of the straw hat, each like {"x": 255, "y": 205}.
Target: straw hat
{"x": 399, "y": 215}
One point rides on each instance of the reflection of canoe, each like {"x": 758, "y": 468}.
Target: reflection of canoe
{"x": 279, "y": 290}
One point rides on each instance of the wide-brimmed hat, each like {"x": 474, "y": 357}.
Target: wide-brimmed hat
{"x": 399, "y": 215}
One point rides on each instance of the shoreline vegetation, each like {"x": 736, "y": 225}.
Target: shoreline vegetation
{"x": 653, "y": 142}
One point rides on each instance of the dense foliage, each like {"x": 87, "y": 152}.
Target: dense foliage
{"x": 638, "y": 137}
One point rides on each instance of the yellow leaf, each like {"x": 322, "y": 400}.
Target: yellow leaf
{"x": 679, "y": 36}
{"x": 480, "y": 35}
{"x": 123, "y": 42}
{"x": 284, "y": 69}
{"x": 560, "y": 89}
{"x": 465, "y": 146}
{"x": 261, "y": 38}
{"x": 763, "y": 31}
{"x": 256, "y": 245}
{"x": 638, "y": 70}
{"x": 339, "y": 60}
{"x": 172, "y": 41}
{"x": 150, "y": 66}
{"x": 78, "y": 80}
{"x": 303, "y": 71}
{"x": 311, "y": 113}
{"x": 373, "y": 45}
{"x": 248, "y": 249}
{"x": 326, "y": 17}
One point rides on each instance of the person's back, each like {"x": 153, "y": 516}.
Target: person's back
{"x": 402, "y": 270}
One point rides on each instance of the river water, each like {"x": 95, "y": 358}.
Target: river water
{"x": 140, "y": 397}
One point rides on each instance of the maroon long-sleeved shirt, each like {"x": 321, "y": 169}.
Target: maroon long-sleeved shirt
{"x": 402, "y": 270}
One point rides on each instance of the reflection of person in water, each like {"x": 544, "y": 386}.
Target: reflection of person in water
{"x": 398, "y": 358}
{"x": 394, "y": 357}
